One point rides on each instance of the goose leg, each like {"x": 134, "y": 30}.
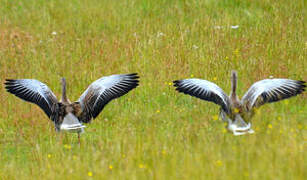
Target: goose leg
{"x": 79, "y": 138}
{"x": 60, "y": 137}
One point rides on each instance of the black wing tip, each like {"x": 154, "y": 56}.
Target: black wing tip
{"x": 133, "y": 78}
{"x": 9, "y": 81}
{"x": 302, "y": 84}
{"x": 179, "y": 88}
{"x": 133, "y": 75}
{"x": 177, "y": 83}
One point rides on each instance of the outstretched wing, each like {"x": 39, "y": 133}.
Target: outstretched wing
{"x": 33, "y": 91}
{"x": 205, "y": 90}
{"x": 271, "y": 90}
{"x": 102, "y": 91}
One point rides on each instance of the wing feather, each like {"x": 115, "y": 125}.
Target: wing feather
{"x": 33, "y": 91}
{"x": 205, "y": 90}
{"x": 271, "y": 90}
{"x": 102, "y": 91}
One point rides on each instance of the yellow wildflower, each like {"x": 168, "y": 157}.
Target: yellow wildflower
{"x": 300, "y": 126}
{"x": 219, "y": 163}
{"x": 224, "y": 130}
{"x": 158, "y": 111}
{"x": 163, "y": 152}
{"x": 110, "y": 167}
{"x": 215, "y": 78}
{"x": 279, "y": 118}
{"x": 236, "y": 52}
{"x": 192, "y": 75}
{"x": 286, "y": 102}
{"x": 170, "y": 83}
{"x": 236, "y": 110}
{"x": 215, "y": 117}
{"x": 49, "y": 155}
{"x": 67, "y": 146}
{"x": 141, "y": 166}
{"x": 90, "y": 174}
{"x": 226, "y": 57}
{"x": 270, "y": 126}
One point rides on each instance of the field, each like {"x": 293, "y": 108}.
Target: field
{"x": 153, "y": 132}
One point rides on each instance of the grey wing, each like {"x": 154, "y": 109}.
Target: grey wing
{"x": 102, "y": 91}
{"x": 205, "y": 90}
{"x": 33, "y": 91}
{"x": 271, "y": 90}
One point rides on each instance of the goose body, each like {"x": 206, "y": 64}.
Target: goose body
{"x": 235, "y": 112}
{"x": 69, "y": 116}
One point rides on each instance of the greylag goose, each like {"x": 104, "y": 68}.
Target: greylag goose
{"x": 69, "y": 116}
{"x": 238, "y": 113}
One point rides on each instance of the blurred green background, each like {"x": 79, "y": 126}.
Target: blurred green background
{"x": 153, "y": 132}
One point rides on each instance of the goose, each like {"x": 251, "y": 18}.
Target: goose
{"x": 70, "y": 116}
{"x": 235, "y": 112}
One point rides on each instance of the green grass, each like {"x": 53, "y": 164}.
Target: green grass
{"x": 153, "y": 132}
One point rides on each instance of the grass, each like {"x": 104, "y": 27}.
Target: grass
{"x": 153, "y": 132}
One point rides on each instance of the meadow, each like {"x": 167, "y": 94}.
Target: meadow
{"x": 153, "y": 132}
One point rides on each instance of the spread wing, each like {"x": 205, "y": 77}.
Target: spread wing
{"x": 205, "y": 90}
{"x": 102, "y": 91}
{"x": 33, "y": 91}
{"x": 271, "y": 90}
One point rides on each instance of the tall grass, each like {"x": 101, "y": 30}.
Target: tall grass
{"x": 153, "y": 132}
